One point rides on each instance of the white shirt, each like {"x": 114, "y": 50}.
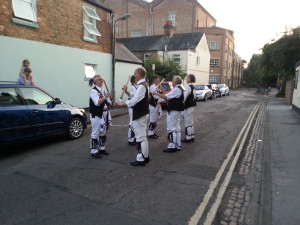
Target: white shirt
{"x": 153, "y": 89}
{"x": 187, "y": 91}
{"x": 174, "y": 93}
{"x": 139, "y": 95}
{"x": 95, "y": 96}
{"x": 132, "y": 90}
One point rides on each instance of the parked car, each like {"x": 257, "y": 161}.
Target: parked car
{"x": 224, "y": 89}
{"x": 215, "y": 90}
{"x": 167, "y": 87}
{"x": 28, "y": 113}
{"x": 202, "y": 92}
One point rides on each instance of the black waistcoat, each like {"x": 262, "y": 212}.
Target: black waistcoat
{"x": 190, "y": 100}
{"x": 176, "y": 104}
{"x": 97, "y": 110}
{"x": 142, "y": 107}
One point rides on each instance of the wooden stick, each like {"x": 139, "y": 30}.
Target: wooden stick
{"x": 106, "y": 86}
{"x": 161, "y": 82}
{"x": 124, "y": 88}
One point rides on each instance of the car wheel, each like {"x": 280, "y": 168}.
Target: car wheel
{"x": 75, "y": 128}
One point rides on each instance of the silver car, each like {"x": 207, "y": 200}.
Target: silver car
{"x": 224, "y": 89}
{"x": 202, "y": 92}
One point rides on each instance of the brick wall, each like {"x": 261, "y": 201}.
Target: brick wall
{"x": 289, "y": 88}
{"x": 60, "y": 22}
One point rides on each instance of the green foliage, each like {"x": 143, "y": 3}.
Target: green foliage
{"x": 277, "y": 61}
{"x": 166, "y": 70}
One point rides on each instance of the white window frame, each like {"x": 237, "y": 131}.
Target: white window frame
{"x": 90, "y": 19}
{"x": 213, "y": 79}
{"x": 136, "y": 33}
{"x": 198, "y": 60}
{"x": 214, "y": 46}
{"x": 24, "y": 9}
{"x": 177, "y": 58}
{"x": 89, "y": 71}
{"x": 147, "y": 56}
{"x": 214, "y": 62}
{"x": 172, "y": 17}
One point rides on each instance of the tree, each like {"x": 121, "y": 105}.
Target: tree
{"x": 277, "y": 60}
{"x": 253, "y": 73}
{"x": 166, "y": 70}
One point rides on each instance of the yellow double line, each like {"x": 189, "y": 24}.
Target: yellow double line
{"x": 214, "y": 208}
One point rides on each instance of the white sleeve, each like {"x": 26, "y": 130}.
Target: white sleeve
{"x": 187, "y": 92}
{"x": 94, "y": 95}
{"x": 139, "y": 95}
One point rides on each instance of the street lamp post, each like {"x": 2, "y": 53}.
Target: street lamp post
{"x": 124, "y": 17}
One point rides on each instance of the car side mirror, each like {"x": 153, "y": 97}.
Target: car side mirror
{"x": 57, "y": 101}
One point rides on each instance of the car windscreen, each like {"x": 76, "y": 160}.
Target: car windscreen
{"x": 199, "y": 87}
{"x": 220, "y": 85}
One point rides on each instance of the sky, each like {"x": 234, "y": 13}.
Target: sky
{"x": 254, "y": 22}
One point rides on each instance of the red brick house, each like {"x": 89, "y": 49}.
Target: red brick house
{"x": 67, "y": 42}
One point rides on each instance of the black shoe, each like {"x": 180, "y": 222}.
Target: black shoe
{"x": 152, "y": 136}
{"x": 170, "y": 150}
{"x": 131, "y": 143}
{"x": 147, "y": 159}
{"x": 137, "y": 163}
{"x": 178, "y": 149}
{"x": 103, "y": 152}
{"x": 186, "y": 141}
{"x": 96, "y": 155}
{"x": 193, "y": 139}
{"x": 156, "y": 135}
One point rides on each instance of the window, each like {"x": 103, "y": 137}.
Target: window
{"x": 147, "y": 56}
{"x": 8, "y": 97}
{"x": 172, "y": 17}
{"x": 35, "y": 96}
{"x": 213, "y": 79}
{"x": 198, "y": 60}
{"x": 89, "y": 21}
{"x": 24, "y": 9}
{"x": 90, "y": 71}
{"x": 214, "y": 62}
{"x": 136, "y": 33}
{"x": 214, "y": 46}
{"x": 296, "y": 79}
{"x": 176, "y": 58}
{"x": 25, "y": 12}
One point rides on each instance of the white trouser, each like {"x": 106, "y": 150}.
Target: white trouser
{"x": 99, "y": 129}
{"x": 140, "y": 128}
{"x": 173, "y": 129}
{"x": 188, "y": 118}
{"x": 131, "y": 135}
{"x": 153, "y": 116}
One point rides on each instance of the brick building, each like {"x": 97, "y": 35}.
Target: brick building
{"x": 67, "y": 42}
{"x": 187, "y": 16}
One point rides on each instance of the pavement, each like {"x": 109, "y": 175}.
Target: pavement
{"x": 281, "y": 180}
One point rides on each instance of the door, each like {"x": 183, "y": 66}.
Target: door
{"x": 15, "y": 122}
{"x": 47, "y": 118}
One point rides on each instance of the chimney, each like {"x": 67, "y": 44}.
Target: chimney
{"x": 169, "y": 29}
